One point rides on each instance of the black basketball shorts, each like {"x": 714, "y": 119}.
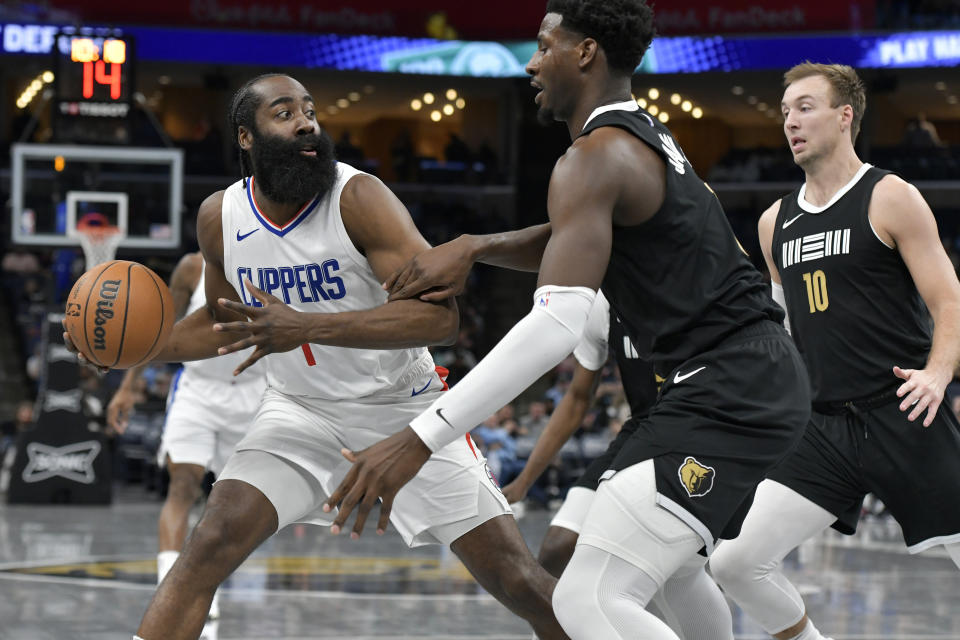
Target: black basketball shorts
{"x": 914, "y": 470}
{"x": 724, "y": 419}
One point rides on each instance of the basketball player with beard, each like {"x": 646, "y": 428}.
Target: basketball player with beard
{"x": 628, "y": 214}
{"x": 856, "y": 260}
{"x": 295, "y": 254}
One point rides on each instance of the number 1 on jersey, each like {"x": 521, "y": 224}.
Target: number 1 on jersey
{"x": 816, "y": 290}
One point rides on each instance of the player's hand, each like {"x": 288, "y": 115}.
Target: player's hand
{"x": 516, "y": 490}
{"x": 118, "y": 411}
{"x": 436, "y": 274}
{"x": 72, "y": 348}
{"x": 922, "y": 390}
{"x": 272, "y": 328}
{"x": 378, "y": 472}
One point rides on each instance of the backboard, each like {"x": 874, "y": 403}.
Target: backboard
{"x": 139, "y": 190}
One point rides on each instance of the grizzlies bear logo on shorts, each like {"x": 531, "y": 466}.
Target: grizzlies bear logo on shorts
{"x": 696, "y": 478}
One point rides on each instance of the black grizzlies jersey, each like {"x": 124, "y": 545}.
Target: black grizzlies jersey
{"x": 637, "y": 375}
{"x": 679, "y": 281}
{"x": 854, "y": 309}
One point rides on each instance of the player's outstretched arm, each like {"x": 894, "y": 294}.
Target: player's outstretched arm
{"x": 899, "y": 211}
{"x": 584, "y": 189}
{"x": 441, "y": 272}
{"x": 566, "y": 419}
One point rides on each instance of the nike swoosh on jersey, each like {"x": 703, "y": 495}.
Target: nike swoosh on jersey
{"x": 241, "y": 237}
{"x": 680, "y": 378}
{"x": 789, "y": 222}
{"x": 440, "y": 415}
{"x": 416, "y": 392}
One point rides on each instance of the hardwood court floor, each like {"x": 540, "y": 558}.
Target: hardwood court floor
{"x": 69, "y": 572}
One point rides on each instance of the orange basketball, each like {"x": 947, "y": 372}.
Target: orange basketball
{"x": 119, "y": 314}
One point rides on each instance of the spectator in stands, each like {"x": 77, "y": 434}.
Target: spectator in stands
{"x": 456, "y": 150}
{"x": 347, "y": 152}
{"x": 494, "y": 439}
{"x": 403, "y": 156}
{"x": 920, "y": 132}
{"x": 535, "y": 419}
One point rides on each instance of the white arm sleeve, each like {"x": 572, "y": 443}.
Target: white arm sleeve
{"x": 532, "y": 347}
{"x": 776, "y": 290}
{"x": 591, "y": 353}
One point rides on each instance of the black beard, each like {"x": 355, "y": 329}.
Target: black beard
{"x": 285, "y": 175}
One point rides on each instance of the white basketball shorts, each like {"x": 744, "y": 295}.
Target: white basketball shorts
{"x": 207, "y": 418}
{"x": 452, "y": 494}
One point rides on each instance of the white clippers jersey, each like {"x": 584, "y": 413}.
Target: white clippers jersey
{"x": 312, "y": 265}
{"x": 220, "y": 368}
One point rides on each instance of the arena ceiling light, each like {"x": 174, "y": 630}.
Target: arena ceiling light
{"x": 28, "y": 94}
{"x": 663, "y": 117}
{"x": 676, "y": 99}
{"x": 416, "y": 104}
{"x": 451, "y": 94}
{"x": 697, "y": 113}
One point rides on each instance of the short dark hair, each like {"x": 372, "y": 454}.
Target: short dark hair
{"x": 243, "y": 113}
{"x": 847, "y": 87}
{"x": 623, "y": 28}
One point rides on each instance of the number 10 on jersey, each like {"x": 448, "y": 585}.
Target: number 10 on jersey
{"x": 816, "y": 290}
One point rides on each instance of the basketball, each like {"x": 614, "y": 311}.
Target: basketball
{"x": 119, "y": 314}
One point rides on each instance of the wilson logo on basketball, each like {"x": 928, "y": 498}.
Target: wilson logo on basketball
{"x": 108, "y": 293}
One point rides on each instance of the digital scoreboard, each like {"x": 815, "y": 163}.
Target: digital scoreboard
{"x": 93, "y": 88}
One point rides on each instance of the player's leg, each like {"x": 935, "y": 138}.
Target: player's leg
{"x": 557, "y": 549}
{"x": 257, "y": 493}
{"x": 561, "y": 537}
{"x": 693, "y": 605}
{"x": 497, "y": 556}
{"x": 628, "y": 549}
{"x": 183, "y": 492}
{"x": 749, "y": 566}
{"x": 188, "y": 445}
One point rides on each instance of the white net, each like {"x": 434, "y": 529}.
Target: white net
{"x": 99, "y": 244}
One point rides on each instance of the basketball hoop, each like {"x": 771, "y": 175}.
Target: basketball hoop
{"x": 98, "y": 238}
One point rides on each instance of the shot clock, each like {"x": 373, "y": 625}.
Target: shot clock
{"x": 93, "y": 87}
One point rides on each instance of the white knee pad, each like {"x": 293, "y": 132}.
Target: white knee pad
{"x": 602, "y": 596}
